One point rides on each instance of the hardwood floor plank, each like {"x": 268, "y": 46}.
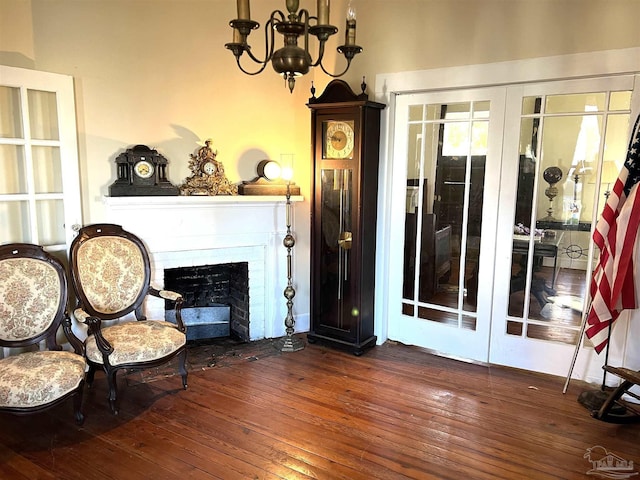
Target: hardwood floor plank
{"x": 16, "y": 467}
{"x": 215, "y": 427}
{"x": 407, "y": 425}
{"x": 394, "y": 413}
{"x": 351, "y": 423}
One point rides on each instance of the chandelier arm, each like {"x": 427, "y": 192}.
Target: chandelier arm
{"x": 264, "y": 65}
{"x": 305, "y": 13}
{"x": 320, "y": 56}
{"x": 268, "y": 45}
{"x": 337, "y": 74}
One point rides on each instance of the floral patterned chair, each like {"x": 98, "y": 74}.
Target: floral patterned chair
{"x": 37, "y": 373}
{"x": 111, "y": 277}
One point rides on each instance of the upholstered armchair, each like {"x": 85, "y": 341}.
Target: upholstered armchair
{"x": 111, "y": 276}
{"x": 37, "y": 372}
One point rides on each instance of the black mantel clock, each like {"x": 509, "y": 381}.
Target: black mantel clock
{"x": 141, "y": 172}
{"x": 346, "y": 140}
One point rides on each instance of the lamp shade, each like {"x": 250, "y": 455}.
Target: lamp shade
{"x": 610, "y": 171}
{"x": 269, "y": 169}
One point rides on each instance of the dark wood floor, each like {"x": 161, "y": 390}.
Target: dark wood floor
{"x": 395, "y": 412}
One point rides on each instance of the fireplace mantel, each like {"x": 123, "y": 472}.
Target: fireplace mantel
{"x": 198, "y": 200}
{"x": 185, "y": 222}
{"x": 195, "y": 230}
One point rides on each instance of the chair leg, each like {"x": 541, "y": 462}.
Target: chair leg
{"x": 77, "y": 407}
{"x": 605, "y": 412}
{"x": 90, "y": 375}
{"x": 113, "y": 390}
{"x": 182, "y": 367}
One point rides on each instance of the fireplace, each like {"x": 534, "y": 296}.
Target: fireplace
{"x": 216, "y": 299}
{"x": 194, "y": 232}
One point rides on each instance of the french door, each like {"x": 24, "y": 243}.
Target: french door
{"x": 39, "y": 186}
{"x": 564, "y": 146}
{"x": 497, "y": 191}
{"x": 446, "y": 171}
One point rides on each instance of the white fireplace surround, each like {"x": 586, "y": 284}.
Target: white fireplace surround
{"x": 192, "y": 231}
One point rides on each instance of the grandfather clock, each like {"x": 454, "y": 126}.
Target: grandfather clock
{"x": 345, "y": 149}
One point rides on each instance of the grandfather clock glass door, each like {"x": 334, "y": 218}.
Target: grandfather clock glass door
{"x": 336, "y": 263}
{"x": 39, "y": 185}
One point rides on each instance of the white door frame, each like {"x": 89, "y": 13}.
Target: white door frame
{"x": 388, "y": 86}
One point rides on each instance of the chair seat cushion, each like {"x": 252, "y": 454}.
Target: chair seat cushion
{"x": 137, "y": 341}
{"x": 38, "y": 378}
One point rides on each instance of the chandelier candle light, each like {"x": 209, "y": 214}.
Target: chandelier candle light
{"x": 292, "y": 60}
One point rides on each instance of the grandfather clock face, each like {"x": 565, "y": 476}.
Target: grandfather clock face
{"x": 338, "y": 139}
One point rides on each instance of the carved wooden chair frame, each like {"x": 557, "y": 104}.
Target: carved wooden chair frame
{"x": 111, "y": 275}
{"x": 33, "y": 307}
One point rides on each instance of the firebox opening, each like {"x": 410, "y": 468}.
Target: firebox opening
{"x": 216, "y": 300}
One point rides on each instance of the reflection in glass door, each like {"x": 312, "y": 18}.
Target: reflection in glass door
{"x": 570, "y": 147}
{"x": 39, "y": 194}
{"x": 555, "y": 230}
{"x": 444, "y": 211}
{"x": 450, "y": 148}
{"x": 336, "y": 265}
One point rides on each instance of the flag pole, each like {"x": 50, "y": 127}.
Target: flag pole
{"x": 606, "y": 357}
{"x": 577, "y": 349}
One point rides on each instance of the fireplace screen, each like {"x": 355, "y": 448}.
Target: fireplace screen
{"x": 216, "y": 299}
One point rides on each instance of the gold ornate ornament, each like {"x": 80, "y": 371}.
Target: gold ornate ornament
{"x": 207, "y": 175}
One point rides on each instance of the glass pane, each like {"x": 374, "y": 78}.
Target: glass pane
{"x": 575, "y": 103}
{"x": 620, "y": 100}
{"x": 17, "y": 219}
{"x": 445, "y": 229}
{"x": 514, "y": 328}
{"x": 571, "y": 144}
{"x": 438, "y": 316}
{"x": 413, "y": 210}
{"x": 50, "y": 215}
{"x": 531, "y": 105}
{"x": 481, "y": 110}
{"x": 474, "y": 226}
{"x": 335, "y": 270}
{"x": 444, "y": 200}
{"x": 455, "y": 137}
{"x": 553, "y": 333}
{"x": 615, "y": 148}
{"x": 43, "y": 115}
{"x": 47, "y": 170}
{"x": 10, "y": 113}
{"x": 564, "y": 206}
{"x": 408, "y": 309}
{"x": 415, "y": 113}
{"x": 13, "y": 177}
{"x": 558, "y": 184}
{"x": 468, "y": 322}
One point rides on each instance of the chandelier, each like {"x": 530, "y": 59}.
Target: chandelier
{"x": 292, "y": 60}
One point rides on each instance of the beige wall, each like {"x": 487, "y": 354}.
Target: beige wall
{"x": 156, "y": 71}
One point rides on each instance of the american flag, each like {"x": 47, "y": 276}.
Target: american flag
{"x": 614, "y": 286}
